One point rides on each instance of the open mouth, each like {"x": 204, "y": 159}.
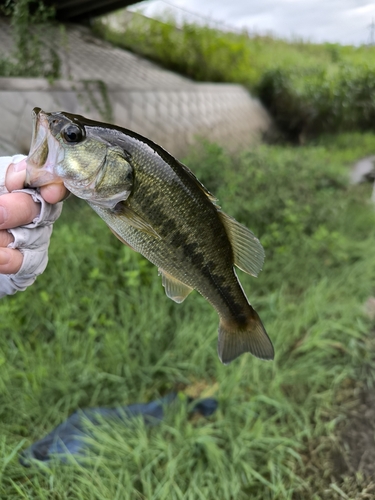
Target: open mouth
{"x": 45, "y": 153}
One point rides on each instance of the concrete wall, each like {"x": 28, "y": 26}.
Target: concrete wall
{"x": 172, "y": 118}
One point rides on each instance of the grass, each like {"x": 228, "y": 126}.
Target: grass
{"x": 97, "y": 329}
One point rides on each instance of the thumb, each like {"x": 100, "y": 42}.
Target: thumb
{"x": 16, "y": 175}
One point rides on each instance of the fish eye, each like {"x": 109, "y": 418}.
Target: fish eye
{"x": 72, "y": 133}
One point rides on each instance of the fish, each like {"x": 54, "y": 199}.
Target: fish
{"x": 156, "y": 205}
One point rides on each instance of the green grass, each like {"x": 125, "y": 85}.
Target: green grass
{"x": 97, "y": 329}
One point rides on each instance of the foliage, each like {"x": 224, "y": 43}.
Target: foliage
{"x": 33, "y": 55}
{"x": 308, "y": 88}
{"x": 97, "y": 329}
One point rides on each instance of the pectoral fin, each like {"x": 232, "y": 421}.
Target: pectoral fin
{"x": 131, "y": 217}
{"x": 174, "y": 289}
{"x": 247, "y": 249}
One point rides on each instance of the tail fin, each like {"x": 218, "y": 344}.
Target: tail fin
{"x": 236, "y": 339}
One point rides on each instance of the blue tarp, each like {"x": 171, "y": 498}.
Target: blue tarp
{"x": 68, "y": 438}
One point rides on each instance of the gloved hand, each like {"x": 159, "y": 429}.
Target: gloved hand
{"x": 26, "y": 219}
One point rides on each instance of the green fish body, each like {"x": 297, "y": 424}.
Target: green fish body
{"x": 156, "y": 205}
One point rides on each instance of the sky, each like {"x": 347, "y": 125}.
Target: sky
{"x": 338, "y": 21}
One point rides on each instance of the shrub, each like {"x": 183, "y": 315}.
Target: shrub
{"x": 308, "y": 106}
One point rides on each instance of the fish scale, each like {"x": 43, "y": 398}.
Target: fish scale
{"x": 156, "y": 205}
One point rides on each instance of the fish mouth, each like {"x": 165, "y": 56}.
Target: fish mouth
{"x": 45, "y": 153}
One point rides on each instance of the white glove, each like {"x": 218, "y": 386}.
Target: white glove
{"x": 32, "y": 240}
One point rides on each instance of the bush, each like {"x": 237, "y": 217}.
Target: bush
{"x": 310, "y": 105}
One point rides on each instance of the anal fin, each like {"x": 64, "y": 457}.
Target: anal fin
{"x": 174, "y": 288}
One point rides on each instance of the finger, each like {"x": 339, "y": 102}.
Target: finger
{"x": 10, "y": 261}
{"x": 16, "y": 175}
{"x": 5, "y": 238}
{"x": 53, "y": 193}
{"x": 17, "y": 209}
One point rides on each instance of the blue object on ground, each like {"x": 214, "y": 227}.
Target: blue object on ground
{"x": 68, "y": 438}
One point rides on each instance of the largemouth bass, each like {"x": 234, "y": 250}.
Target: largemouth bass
{"x": 155, "y": 204}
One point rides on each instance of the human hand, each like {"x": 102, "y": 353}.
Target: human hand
{"x": 25, "y": 225}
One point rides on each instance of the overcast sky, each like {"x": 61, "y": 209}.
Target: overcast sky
{"x": 343, "y": 21}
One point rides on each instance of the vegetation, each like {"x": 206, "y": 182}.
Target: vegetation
{"x": 306, "y": 105}
{"x": 32, "y": 56}
{"x": 97, "y": 329}
{"x": 308, "y": 88}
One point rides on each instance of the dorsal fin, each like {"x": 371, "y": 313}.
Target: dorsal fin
{"x": 247, "y": 249}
